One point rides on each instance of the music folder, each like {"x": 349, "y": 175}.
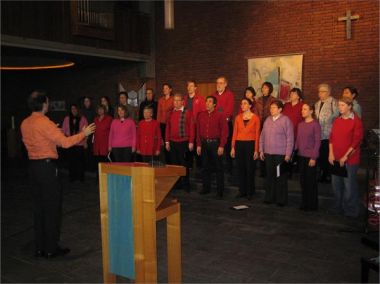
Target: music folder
{"x": 337, "y": 170}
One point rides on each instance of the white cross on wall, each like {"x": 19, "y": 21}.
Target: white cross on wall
{"x": 348, "y": 18}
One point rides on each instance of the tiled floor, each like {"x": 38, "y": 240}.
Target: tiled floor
{"x": 264, "y": 243}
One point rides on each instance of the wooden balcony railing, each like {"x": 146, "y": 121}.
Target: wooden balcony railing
{"x": 93, "y": 18}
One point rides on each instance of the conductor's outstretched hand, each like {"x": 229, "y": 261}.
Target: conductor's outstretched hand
{"x": 89, "y": 129}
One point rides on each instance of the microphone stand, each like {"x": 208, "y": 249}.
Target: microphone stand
{"x": 152, "y": 158}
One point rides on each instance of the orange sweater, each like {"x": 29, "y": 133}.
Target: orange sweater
{"x": 246, "y": 133}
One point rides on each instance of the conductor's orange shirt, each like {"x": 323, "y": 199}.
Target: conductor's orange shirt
{"x": 41, "y": 137}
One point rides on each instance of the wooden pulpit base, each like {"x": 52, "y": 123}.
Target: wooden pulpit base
{"x": 169, "y": 210}
{"x": 146, "y": 189}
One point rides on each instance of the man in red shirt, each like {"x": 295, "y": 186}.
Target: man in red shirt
{"x": 212, "y": 134}
{"x": 225, "y": 104}
{"x": 179, "y": 137}
{"x": 41, "y": 137}
{"x": 195, "y": 104}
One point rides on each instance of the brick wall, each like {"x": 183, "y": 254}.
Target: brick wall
{"x": 213, "y": 38}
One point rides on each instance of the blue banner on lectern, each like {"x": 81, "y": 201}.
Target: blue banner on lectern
{"x": 120, "y": 222}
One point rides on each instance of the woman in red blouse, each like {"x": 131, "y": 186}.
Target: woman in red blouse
{"x": 344, "y": 148}
{"x": 103, "y": 124}
{"x": 148, "y": 141}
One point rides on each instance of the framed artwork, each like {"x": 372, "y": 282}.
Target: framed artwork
{"x": 57, "y": 106}
{"x": 283, "y": 71}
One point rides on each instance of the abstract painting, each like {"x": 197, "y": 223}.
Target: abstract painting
{"x": 284, "y": 72}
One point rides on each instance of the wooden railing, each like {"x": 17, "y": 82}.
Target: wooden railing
{"x": 93, "y": 18}
{"x": 95, "y": 13}
{"x": 115, "y": 27}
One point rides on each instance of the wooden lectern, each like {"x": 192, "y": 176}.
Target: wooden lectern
{"x": 133, "y": 196}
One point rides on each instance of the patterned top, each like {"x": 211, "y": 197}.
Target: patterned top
{"x": 326, "y": 113}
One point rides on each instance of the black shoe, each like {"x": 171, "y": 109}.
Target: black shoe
{"x": 249, "y": 197}
{"x": 267, "y": 202}
{"x": 187, "y": 188}
{"x": 59, "y": 252}
{"x": 328, "y": 179}
{"x": 39, "y": 253}
{"x": 219, "y": 196}
{"x": 280, "y": 205}
{"x": 240, "y": 195}
{"x": 204, "y": 191}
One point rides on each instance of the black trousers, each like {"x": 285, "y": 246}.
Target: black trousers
{"x": 276, "y": 188}
{"x": 178, "y": 156}
{"x": 194, "y": 156}
{"x": 212, "y": 162}
{"x": 149, "y": 158}
{"x": 227, "y": 147}
{"x": 122, "y": 154}
{"x": 47, "y": 203}
{"x": 163, "y": 134}
{"x": 323, "y": 159}
{"x": 246, "y": 165}
{"x": 76, "y": 157}
{"x": 99, "y": 159}
{"x": 309, "y": 185}
{"x": 90, "y": 164}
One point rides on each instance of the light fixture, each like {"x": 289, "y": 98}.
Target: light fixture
{"x": 38, "y": 67}
{"x": 169, "y": 14}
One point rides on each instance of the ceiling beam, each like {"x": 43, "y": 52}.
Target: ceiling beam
{"x": 31, "y": 43}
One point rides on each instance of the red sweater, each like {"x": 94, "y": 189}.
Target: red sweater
{"x": 225, "y": 103}
{"x": 148, "y": 137}
{"x": 199, "y": 105}
{"x": 164, "y": 108}
{"x": 294, "y": 114}
{"x": 212, "y": 126}
{"x": 346, "y": 133}
{"x": 101, "y": 134}
{"x": 173, "y": 129}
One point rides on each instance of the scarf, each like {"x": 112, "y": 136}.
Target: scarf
{"x": 182, "y": 120}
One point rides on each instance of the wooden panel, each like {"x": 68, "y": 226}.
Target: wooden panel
{"x": 113, "y": 168}
{"x": 167, "y": 207}
{"x": 138, "y": 225}
{"x": 163, "y": 186}
{"x": 169, "y": 171}
{"x": 107, "y": 276}
{"x": 206, "y": 89}
{"x": 143, "y": 178}
{"x": 173, "y": 229}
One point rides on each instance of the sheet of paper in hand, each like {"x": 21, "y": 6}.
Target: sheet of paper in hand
{"x": 240, "y": 207}
{"x": 282, "y": 168}
{"x": 109, "y": 157}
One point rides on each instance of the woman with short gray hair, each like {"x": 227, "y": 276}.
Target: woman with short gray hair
{"x": 326, "y": 110}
